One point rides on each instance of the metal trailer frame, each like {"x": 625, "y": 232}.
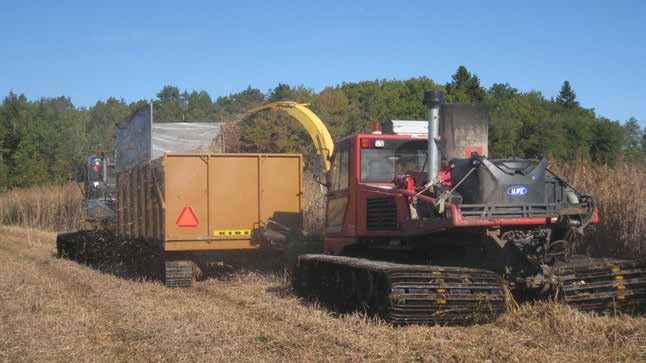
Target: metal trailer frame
{"x": 205, "y": 201}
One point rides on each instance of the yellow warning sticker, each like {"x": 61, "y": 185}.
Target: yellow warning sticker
{"x": 232, "y": 233}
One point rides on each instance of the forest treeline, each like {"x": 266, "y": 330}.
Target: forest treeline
{"x": 47, "y": 140}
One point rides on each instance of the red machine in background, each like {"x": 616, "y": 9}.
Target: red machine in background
{"x": 413, "y": 241}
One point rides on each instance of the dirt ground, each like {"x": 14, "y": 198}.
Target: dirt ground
{"x": 54, "y": 309}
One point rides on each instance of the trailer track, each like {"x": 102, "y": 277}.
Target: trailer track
{"x": 178, "y": 274}
{"x": 402, "y": 293}
{"x": 603, "y": 285}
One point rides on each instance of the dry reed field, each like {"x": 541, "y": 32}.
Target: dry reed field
{"x": 620, "y": 195}
{"x": 54, "y": 309}
{"x": 49, "y": 207}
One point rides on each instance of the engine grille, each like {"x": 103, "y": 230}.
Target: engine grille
{"x": 381, "y": 214}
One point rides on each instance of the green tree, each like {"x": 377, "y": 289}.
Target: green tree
{"x": 284, "y": 92}
{"x": 608, "y": 137}
{"x": 199, "y": 107}
{"x": 17, "y": 114}
{"x": 100, "y": 124}
{"x": 68, "y": 151}
{"x": 464, "y": 87}
{"x": 634, "y": 137}
{"x": 500, "y": 92}
{"x": 331, "y": 106}
{"x": 577, "y": 124}
{"x": 30, "y": 167}
{"x": 275, "y": 131}
{"x": 4, "y": 170}
{"x": 523, "y": 126}
{"x": 567, "y": 96}
{"x": 504, "y": 126}
{"x": 231, "y": 107}
{"x": 170, "y": 106}
{"x": 36, "y": 138}
{"x": 383, "y": 100}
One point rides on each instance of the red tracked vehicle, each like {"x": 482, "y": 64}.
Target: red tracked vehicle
{"x": 435, "y": 232}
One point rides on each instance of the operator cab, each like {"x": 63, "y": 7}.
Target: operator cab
{"x": 100, "y": 188}
{"x": 364, "y": 164}
{"x": 100, "y": 182}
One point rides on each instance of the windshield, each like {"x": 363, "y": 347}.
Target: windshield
{"x": 380, "y": 164}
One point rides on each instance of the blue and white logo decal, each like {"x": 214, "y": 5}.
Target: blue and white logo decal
{"x": 517, "y": 190}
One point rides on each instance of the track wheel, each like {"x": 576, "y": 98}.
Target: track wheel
{"x": 68, "y": 245}
{"x": 365, "y": 290}
{"x": 178, "y": 273}
{"x": 346, "y": 280}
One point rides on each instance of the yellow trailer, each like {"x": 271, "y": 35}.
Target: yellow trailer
{"x": 207, "y": 201}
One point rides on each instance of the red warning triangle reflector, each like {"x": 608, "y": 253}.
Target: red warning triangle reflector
{"x": 187, "y": 218}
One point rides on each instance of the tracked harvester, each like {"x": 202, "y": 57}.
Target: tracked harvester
{"x": 422, "y": 227}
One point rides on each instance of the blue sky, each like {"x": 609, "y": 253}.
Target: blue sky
{"x": 91, "y": 50}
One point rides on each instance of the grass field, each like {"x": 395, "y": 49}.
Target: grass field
{"x": 53, "y": 309}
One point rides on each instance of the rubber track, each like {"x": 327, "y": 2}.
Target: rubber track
{"x": 604, "y": 285}
{"x": 178, "y": 274}
{"x": 401, "y": 293}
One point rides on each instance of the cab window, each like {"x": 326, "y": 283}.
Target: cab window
{"x": 340, "y": 171}
{"x": 383, "y": 159}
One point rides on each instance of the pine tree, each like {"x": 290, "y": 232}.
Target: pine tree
{"x": 464, "y": 87}
{"x": 199, "y": 107}
{"x": 608, "y": 137}
{"x": 633, "y": 139}
{"x": 567, "y": 96}
{"x": 170, "y": 105}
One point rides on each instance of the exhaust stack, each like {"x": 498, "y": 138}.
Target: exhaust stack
{"x": 433, "y": 100}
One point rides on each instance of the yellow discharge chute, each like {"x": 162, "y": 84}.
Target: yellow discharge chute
{"x": 312, "y": 124}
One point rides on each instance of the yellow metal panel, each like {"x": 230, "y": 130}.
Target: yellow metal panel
{"x": 233, "y": 187}
{"x": 208, "y": 245}
{"x": 280, "y": 189}
{"x": 185, "y": 187}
